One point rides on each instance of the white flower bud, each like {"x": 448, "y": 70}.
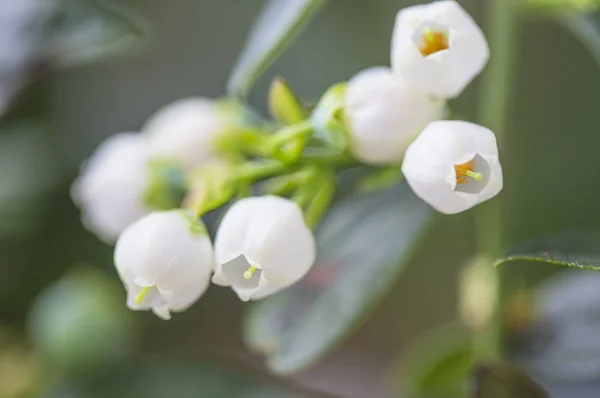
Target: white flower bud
{"x": 164, "y": 260}
{"x": 262, "y": 246}
{"x": 185, "y": 132}
{"x": 111, "y": 186}
{"x": 438, "y": 47}
{"x": 384, "y": 115}
{"x": 453, "y": 166}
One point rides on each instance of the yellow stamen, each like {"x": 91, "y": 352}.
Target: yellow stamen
{"x": 465, "y": 171}
{"x": 433, "y": 42}
{"x": 249, "y": 272}
{"x": 141, "y": 295}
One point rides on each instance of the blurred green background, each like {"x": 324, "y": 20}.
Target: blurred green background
{"x": 85, "y": 339}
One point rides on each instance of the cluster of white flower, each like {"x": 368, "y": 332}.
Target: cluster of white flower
{"x": 113, "y": 182}
{"x": 164, "y": 254}
{"x": 393, "y": 113}
{"x": 166, "y": 259}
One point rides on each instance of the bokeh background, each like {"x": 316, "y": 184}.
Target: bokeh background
{"x": 64, "y": 329}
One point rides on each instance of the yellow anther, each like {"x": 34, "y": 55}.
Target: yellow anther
{"x": 465, "y": 171}
{"x": 433, "y": 42}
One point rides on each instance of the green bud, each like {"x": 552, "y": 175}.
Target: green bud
{"x": 284, "y": 105}
{"x": 327, "y": 119}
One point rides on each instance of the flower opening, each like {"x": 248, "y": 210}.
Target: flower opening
{"x": 472, "y": 176}
{"x": 432, "y": 38}
{"x": 241, "y": 273}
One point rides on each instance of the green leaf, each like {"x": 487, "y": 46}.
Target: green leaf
{"x": 274, "y": 30}
{"x": 495, "y": 380}
{"x": 579, "y": 250}
{"x": 560, "y": 344}
{"x": 438, "y": 363}
{"x": 87, "y": 30}
{"x": 585, "y": 28}
{"x": 38, "y": 35}
{"x": 364, "y": 244}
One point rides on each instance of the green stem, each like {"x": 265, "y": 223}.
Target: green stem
{"x": 320, "y": 204}
{"x": 290, "y": 133}
{"x": 254, "y": 171}
{"x": 495, "y": 97}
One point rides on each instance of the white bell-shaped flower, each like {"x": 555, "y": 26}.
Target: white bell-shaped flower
{"x": 111, "y": 185}
{"x": 186, "y": 131}
{"x": 384, "y": 115}
{"x": 262, "y": 246}
{"x": 164, "y": 260}
{"x": 453, "y": 166}
{"x": 438, "y": 47}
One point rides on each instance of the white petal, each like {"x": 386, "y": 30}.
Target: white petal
{"x": 161, "y": 250}
{"x": 384, "y": 115}
{"x": 189, "y": 294}
{"x": 185, "y": 131}
{"x": 429, "y": 164}
{"x": 162, "y": 311}
{"x": 111, "y": 185}
{"x": 448, "y": 72}
{"x": 271, "y": 234}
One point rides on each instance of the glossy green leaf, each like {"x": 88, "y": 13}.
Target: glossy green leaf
{"x": 494, "y": 380}
{"x": 584, "y": 27}
{"x": 90, "y": 29}
{"x": 364, "y": 244}
{"x": 437, "y": 364}
{"x": 274, "y": 30}
{"x": 560, "y": 344}
{"x": 579, "y": 250}
{"x": 38, "y": 35}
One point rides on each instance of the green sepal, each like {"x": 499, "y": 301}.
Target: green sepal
{"x": 167, "y": 186}
{"x": 327, "y": 119}
{"x": 196, "y": 224}
{"x": 284, "y": 105}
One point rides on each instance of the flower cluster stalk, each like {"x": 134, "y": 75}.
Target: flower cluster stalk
{"x": 495, "y": 96}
